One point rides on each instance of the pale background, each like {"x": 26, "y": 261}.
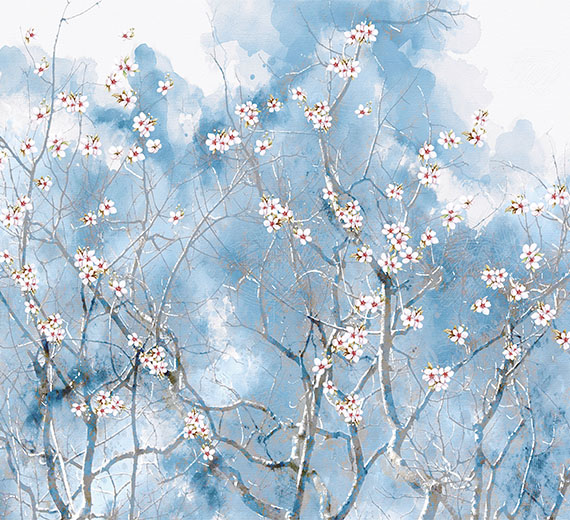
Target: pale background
{"x": 522, "y": 48}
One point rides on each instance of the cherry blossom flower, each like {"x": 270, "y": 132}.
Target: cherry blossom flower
{"x": 329, "y": 193}
{"x": 536, "y": 209}
{"x": 57, "y": 146}
{"x": 531, "y": 256}
{"x": 543, "y": 314}
{"x": 41, "y": 67}
{"x": 196, "y": 426}
{"x": 134, "y": 340}
{"x": 176, "y": 216}
{"x": 480, "y": 117}
{"x": 107, "y": 207}
{"x": 465, "y": 201}
{"x": 304, "y": 235}
{"x": 118, "y": 287}
{"x": 364, "y": 32}
{"x": 30, "y": 35}
{"x": 129, "y": 34}
{"x": 31, "y": 307}
{"x": 562, "y": 338}
{"x": 40, "y": 113}
{"x": 28, "y": 146}
{"x": 518, "y": 291}
{"x": 429, "y": 238}
{"x": 127, "y": 66}
{"x": 408, "y": 255}
{"x": 511, "y": 351}
{"x": 519, "y": 205}
{"x": 321, "y": 365}
{"x": 273, "y": 104}
{"x": 427, "y": 152}
{"x": 135, "y": 154}
{"x": 477, "y": 136}
{"x": 482, "y": 306}
{"x": 89, "y": 219}
{"x": 429, "y": 175}
{"x": 363, "y": 110}
{"x": 458, "y": 334}
{"x": 450, "y": 216}
{"x": 299, "y": 94}
{"x": 44, "y": 183}
{"x": 363, "y": 254}
{"x": 448, "y": 140}
{"x": 79, "y": 409}
{"x": 126, "y": 99}
{"x": 329, "y": 387}
{"x": 395, "y": 191}
{"x": 165, "y": 86}
{"x": 262, "y": 146}
{"x": 208, "y": 452}
{"x": 6, "y": 257}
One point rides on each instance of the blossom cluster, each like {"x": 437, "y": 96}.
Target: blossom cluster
{"x": 13, "y": 216}
{"x": 543, "y": 314}
{"x": 350, "y": 343}
{"x": 91, "y": 145}
{"x": 90, "y": 267}
{"x": 449, "y": 140}
{"x": 494, "y": 278}
{"x": 558, "y": 195}
{"x": 26, "y": 278}
{"x": 349, "y": 214}
{"x": 248, "y": 113}
{"x": 103, "y": 404}
{"x": 144, "y": 124}
{"x": 364, "y": 32}
{"x": 412, "y": 318}
{"x": 520, "y": 205}
{"x": 221, "y": 141}
{"x": 346, "y": 68}
{"x": 52, "y": 328}
{"x": 369, "y": 304}
{"x": 437, "y": 378}
{"x": 195, "y": 426}
{"x": 319, "y": 115}
{"x": 73, "y": 102}
{"x": 153, "y": 359}
{"x": 350, "y": 408}
{"x": 478, "y": 133}
{"x": 275, "y": 214}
